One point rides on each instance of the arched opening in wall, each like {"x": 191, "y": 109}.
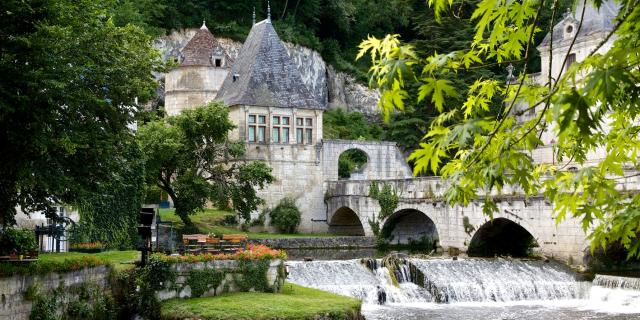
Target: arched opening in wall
{"x": 351, "y": 163}
{"x": 501, "y": 237}
{"x": 345, "y": 222}
{"x": 411, "y": 227}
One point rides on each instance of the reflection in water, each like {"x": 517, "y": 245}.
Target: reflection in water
{"x": 471, "y": 289}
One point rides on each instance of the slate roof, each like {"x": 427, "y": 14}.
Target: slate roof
{"x": 198, "y": 50}
{"x": 595, "y": 21}
{"x": 264, "y": 75}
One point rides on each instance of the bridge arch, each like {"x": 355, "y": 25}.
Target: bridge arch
{"x": 502, "y": 237}
{"x": 410, "y": 226}
{"x": 346, "y": 222}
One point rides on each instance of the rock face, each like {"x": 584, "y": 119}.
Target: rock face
{"x": 329, "y": 87}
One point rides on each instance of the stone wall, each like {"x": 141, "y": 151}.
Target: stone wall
{"x": 318, "y": 242}
{"x": 14, "y": 306}
{"x": 180, "y": 289}
{"x": 384, "y": 160}
{"x": 329, "y": 87}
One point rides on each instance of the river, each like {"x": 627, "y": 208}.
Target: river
{"x": 471, "y": 288}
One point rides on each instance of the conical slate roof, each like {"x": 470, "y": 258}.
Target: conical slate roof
{"x": 198, "y": 50}
{"x": 264, "y": 75}
{"x": 595, "y": 21}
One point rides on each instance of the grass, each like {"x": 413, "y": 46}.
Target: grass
{"x": 120, "y": 259}
{"x": 209, "y": 221}
{"x": 295, "y": 302}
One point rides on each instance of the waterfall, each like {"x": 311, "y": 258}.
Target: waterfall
{"x": 620, "y": 293}
{"x": 357, "y": 279}
{"x": 500, "y": 280}
{"x": 616, "y": 282}
{"x": 441, "y": 280}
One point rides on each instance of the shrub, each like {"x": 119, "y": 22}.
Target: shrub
{"x": 21, "y": 241}
{"x": 230, "y": 220}
{"x": 286, "y": 216}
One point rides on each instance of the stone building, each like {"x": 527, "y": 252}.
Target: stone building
{"x": 203, "y": 65}
{"x": 276, "y": 115}
{"x": 595, "y": 27}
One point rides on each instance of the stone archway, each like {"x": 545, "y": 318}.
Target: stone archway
{"x": 501, "y": 237}
{"x": 345, "y": 222}
{"x": 352, "y": 164}
{"x": 410, "y": 226}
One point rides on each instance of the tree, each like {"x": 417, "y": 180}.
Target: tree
{"x": 190, "y": 157}
{"x": 69, "y": 86}
{"x": 591, "y": 105}
{"x": 110, "y": 214}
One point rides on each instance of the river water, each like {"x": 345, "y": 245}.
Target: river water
{"x": 442, "y": 288}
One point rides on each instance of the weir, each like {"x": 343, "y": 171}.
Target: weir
{"x": 499, "y": 280}
{"x": 445, "y": 281}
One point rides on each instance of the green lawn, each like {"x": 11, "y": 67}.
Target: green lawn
{"x": 120, "y": 259}
{"x": 295, "y": 302}
{"x": 209, "y": 221}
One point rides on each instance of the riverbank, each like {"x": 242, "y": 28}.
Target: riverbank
{"x": 295, "y": 302}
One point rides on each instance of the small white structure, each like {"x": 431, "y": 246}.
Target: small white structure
{"x": 38, "y": 221}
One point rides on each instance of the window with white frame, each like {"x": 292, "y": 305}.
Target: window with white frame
{"x": 304, "y": 130}
{"x": 257, "y": 128}
{"x": 280, "y": 127}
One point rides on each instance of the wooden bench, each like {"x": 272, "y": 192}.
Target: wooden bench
{"x": 233, "y": 242}
{"x": 202, "y": 243}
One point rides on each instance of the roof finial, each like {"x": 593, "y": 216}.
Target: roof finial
{"x": 268, "y": 11}
{"x": 254, "y": 15}
{"x": 204, "y": 25}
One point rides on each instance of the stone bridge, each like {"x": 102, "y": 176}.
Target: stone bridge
{"x": 422, "y": 213}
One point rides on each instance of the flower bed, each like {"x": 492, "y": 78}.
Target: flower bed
{"x": 252, "y": 252}
{"x": 87, "y": 247}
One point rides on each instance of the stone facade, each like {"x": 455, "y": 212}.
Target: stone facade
{"x": 191, "y": 86}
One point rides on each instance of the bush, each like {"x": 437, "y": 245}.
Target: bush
{"x": 286, "y": 216}
{"x": 230, "y": 220}
{"x": 21, "y": 241}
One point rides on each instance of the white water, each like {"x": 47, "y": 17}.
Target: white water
{"x": 497, "y": 280}
{"x": 352, "y": 278}
{"x": 474, "y": 289}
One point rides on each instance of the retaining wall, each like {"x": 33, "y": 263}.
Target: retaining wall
{"x": 180, "y": 289}
{"x": 14, "y": 305}
{"x": 319, "y": 242}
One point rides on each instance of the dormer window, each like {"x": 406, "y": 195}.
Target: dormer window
{"x": 217, "y": 61}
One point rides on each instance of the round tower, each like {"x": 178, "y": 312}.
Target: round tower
{"x": 203, "y": 67}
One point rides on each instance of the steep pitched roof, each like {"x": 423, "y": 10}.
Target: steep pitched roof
{"x": 595, "y": 21}
{"x": 198, "y": 50}
{"x": 264, "y": 75}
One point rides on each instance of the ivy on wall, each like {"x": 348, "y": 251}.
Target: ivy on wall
{"x": 388, "y": 199}
{"x": 201, "y": 281}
